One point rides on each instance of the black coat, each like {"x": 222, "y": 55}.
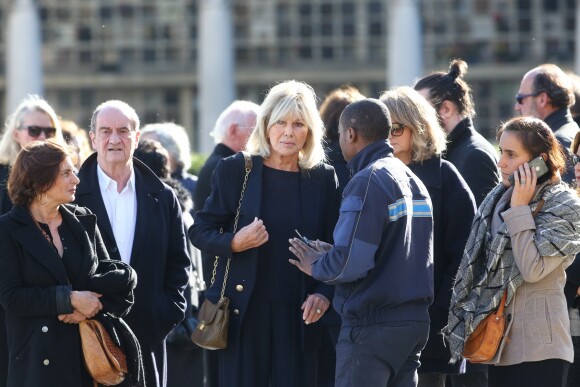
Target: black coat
{"x": 453, "y": 212}
{"x": 5, "y": 206}
{"x": 202, "y": 192}
{"x": 5, "y": 202}
{"x": 203, "y": 188}
{"x": 159, "y": 257}
{"x": 565, "y": 129}
{"x": 475, "y": 159}
{"x": 336, "y": 159}
{"x": 320, "y": 202}
{"x": 33, "y": 284}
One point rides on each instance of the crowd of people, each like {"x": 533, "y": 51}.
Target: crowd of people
{"x": 364, "y": 245}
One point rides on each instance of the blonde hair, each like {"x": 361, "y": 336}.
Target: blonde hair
{"x": 290, "y": 99}
{"x": 9, "y": 147}
{"x": 410, "y": 109}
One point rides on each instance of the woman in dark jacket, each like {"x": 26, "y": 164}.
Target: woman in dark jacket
{"x": 418, "y": 141}
{"x": 273, "y": 335}
{"x": 53, "y": 272}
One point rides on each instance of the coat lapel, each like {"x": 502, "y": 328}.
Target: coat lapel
{"x": 83, "y": 226}
{"x": 251, "y": 204}
{"x": 32, "y": 240}
{"x": 147, "y": 203}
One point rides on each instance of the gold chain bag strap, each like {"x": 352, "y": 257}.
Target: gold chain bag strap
{"x": 211, "y": 331}
{"x": 482, "y": 345}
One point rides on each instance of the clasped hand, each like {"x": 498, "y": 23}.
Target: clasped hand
{"x": 250, "y": 236}
{"x": 85, "y": 305}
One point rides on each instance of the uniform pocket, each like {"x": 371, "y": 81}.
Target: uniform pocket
{"x": 349, "y": 212}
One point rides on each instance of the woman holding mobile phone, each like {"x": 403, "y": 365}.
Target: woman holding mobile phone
{"x": 522, "y": 240}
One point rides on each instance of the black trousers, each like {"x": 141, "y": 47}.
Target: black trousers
{"x": 545, "y": 373}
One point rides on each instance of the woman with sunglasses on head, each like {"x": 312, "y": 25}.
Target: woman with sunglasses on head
{"x": 524, "y": 236}
{"x": 34, "y": 119}
{"x": 419, "y": 141}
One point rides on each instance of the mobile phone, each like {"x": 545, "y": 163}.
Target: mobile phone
{"x": 538, "y": 164}
{"x": 303, "y": 238}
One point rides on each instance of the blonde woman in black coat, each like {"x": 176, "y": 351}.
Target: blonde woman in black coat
{"x": 51, "y": 277}
{"x": 419, "y": 141}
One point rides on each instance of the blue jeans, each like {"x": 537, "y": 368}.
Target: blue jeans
{"x": 380, "y": 355}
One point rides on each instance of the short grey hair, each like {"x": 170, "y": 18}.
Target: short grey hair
{"x": 174, "y": 139}
{"x": 239, "y": 112}
{"x": 290, "y": 99}
{"x": 119, "y": 105}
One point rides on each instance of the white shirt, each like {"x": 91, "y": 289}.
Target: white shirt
{"x": 122, "y": 210}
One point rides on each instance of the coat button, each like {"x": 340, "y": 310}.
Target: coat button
{"x": 45, "y": 329}
{"x": 46, "y": 362}
{"x": 236, "y": 311}
{"x": 239, "y": 288}
{"x": 114, "y": 249}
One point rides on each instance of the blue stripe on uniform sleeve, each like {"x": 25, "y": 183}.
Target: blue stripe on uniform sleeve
{"x": 419, "y": 209}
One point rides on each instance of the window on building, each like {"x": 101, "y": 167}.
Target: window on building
{"x": 149, "y": 55}
{"x": 348, "y": 29}
{"x": 305, "y": 52}
{"x": 305, "y": 9}
{"x": 327, "y": 52}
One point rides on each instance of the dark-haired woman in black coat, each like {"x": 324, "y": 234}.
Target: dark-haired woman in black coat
{"x": 54, "y": 271}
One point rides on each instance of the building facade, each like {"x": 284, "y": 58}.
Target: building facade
{"x": 145, "y": 51}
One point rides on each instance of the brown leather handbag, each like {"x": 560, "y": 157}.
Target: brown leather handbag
{"x": 481, "y": 346}
{"x": 105, "y": 361}
{"x": 211, "y": 331}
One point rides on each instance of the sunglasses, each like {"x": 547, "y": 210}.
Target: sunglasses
{"x": 35, "y": 131}
{"x": 397, "y": 130}
{"x": 520, "y": 97}
{"x": 575, "y": 159}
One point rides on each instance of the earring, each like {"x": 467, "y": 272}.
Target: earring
{"x": 45, "y": 200}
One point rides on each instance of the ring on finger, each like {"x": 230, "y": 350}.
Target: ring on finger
{"x": 318, "y": 310}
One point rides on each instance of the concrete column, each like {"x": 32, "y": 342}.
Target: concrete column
{"x": 404, "y": 43}
{"x": 215, "y": 66}
{"x": 23, "y": 53}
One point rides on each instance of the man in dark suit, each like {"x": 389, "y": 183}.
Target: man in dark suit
{"x": 231, "y": 132}
{"x": 547, "y": 93}
{"x": 141, "y": 223}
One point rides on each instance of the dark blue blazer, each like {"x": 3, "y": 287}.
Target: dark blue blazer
{"x": 159, "y": 257}
{"x": 320, "y": 201}
{"x": 453, "y": 212}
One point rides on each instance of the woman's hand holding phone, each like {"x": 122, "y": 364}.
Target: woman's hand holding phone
{"x": 525, "y": 179}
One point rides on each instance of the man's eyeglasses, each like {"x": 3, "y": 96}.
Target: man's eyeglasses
{"x": 520, "y": 97}
{"x": 397, "y": 129}
{"x": 575, "y": 159}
